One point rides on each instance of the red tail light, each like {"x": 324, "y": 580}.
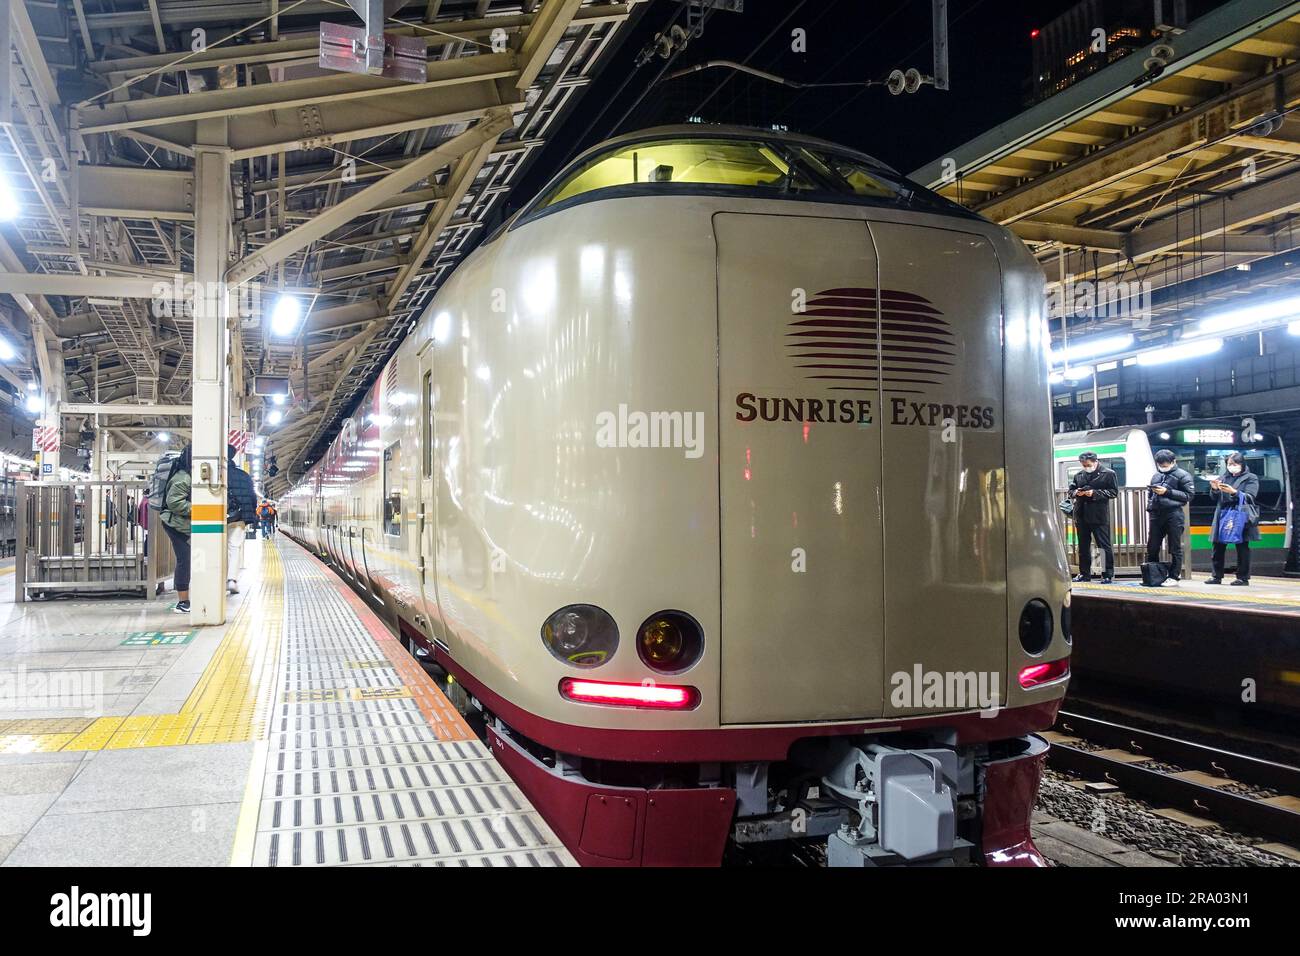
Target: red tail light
{"x": 658, "y": 696}
{"x": 1036, "y": 674}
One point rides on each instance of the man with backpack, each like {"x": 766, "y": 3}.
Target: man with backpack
{"x": 241, "y": 511}
{"x": 266, "y": 515}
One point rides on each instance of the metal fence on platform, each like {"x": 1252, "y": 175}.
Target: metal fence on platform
{"x": 8, "y": 516}
{"x": 1128, "y": 534}
{"x": 84, "y": 537}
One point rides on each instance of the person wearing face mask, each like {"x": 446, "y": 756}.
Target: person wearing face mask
{"x": 1092, "y": 491}
{"x": 1170, "y": 489}
{"x": 1238, "y": 485}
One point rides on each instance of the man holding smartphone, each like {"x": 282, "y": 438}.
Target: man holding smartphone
{"x": 1092, "y": 491}
{"x": 1171, "y": 488}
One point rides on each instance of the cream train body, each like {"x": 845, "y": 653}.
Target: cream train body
{"x": 610, "y": 403}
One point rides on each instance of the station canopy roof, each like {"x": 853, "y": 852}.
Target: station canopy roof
{"x": 110, "y": 97}
{"x": 1185, "y": 175}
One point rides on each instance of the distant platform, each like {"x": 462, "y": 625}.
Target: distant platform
{"x": 1216, "y": 646}
{"x": 1276, "y": 595}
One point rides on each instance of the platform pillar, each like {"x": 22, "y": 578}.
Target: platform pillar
{"x": 210, "y": 391}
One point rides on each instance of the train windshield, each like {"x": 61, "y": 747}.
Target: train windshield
{"x": 772, "y": 169}
{"x": 1204, "y": 462}
{"x": 697, "y": 162}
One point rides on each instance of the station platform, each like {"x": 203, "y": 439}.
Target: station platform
{"x": 1270, "y": 595}
{"x": 1214, "y": 646}
{"x": 301, "y": 733}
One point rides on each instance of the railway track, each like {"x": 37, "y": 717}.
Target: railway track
{"x": 1202, "y": 780}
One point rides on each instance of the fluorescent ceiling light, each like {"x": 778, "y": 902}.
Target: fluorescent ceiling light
{"x": 1091, "y": 348}
{"x": 10, "y": 209}
{"x": 1078, "y": 373}
{"x": 1177, "y": 353}
{"x": 1294, "y": 328}
{"x": 33, "y": 403}
{"x": 163, "y": 437}
{"x": 1056, "y": 378}
{"x": 1250, "y": 315}
{"x": 275, "y": 416}
{"x": 286, "y": 315}
{"x": 7, "y": 352}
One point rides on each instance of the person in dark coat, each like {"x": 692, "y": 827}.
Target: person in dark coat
{"x": 176, "y": 524}
{"x": 241, "y": 511}
{"x": 1239, "y": 484}
{"x": 1170, "y": 490}
{"x": 1092, "y": 491}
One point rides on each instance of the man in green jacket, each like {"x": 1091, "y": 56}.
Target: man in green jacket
{"x": 176, "y": 523}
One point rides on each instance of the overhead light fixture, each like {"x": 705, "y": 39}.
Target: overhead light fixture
{"x": 1079, "y": 373}
{"x": 1094, "y": 347}
{"x": 1294, "y": 328}
{"x": 274, "y": 416}
{"x": 277, "y": 399}
{"x": 7, "y": 352}
{"x": 1056, "y": 378}
{"x": 286, "y": 315}
{"x": 1261, "y": 313}
{"x": 33, "y": 403}
{"x": 164, "y": 437}
{"x": 1177, "y": 353}
{"x": 10, "y": 208}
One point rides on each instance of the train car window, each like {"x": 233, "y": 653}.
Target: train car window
{"x": 699, "y": 162}
{"x": 867, "y": 181}
{"x": 1117, "y": 465}
{"x": 426, "y": 424}
{"x": 393, "y": 489}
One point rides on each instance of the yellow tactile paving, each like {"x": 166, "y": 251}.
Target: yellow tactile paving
{"x": 229, "y": 703}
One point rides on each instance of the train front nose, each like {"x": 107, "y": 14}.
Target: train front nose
{"x": 862, "y": 469}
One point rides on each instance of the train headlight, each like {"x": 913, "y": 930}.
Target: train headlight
{"x": 1036, "y": 627}
{"x": 670, "y": 641}
{"x": 581, "y": 635}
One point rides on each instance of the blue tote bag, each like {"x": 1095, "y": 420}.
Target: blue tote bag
{"x": 1232, "y": 524}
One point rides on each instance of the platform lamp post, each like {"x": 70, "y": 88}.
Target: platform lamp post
{"x": 210, "y": 392}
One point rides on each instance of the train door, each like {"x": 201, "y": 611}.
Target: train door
{"x": 944, "y": 494}
{"x": 426, "y": 549}
{"x": 799, "y": 470}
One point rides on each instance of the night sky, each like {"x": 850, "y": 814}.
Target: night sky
{"x": 847, "y": 40}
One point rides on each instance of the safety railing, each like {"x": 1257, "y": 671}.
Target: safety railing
{"x": 8, "y": 516}
{"x": 84, "y": 537}
{"x": 1129, "y": 526}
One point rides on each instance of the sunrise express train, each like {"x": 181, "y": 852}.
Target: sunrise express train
{"x": 718, "y": 479}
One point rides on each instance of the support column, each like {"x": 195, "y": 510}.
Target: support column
{"x": 210, "y": 390}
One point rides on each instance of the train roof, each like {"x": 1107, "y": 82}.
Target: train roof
{"x": 1119, "y": 432}
{"x": 1096, "y": 435}
{"x": 723, "y": 131}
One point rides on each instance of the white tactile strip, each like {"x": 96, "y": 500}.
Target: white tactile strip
{"x": 368, "y": 782}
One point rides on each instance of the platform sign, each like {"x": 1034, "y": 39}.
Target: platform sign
{"x": 158, "y": 638}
